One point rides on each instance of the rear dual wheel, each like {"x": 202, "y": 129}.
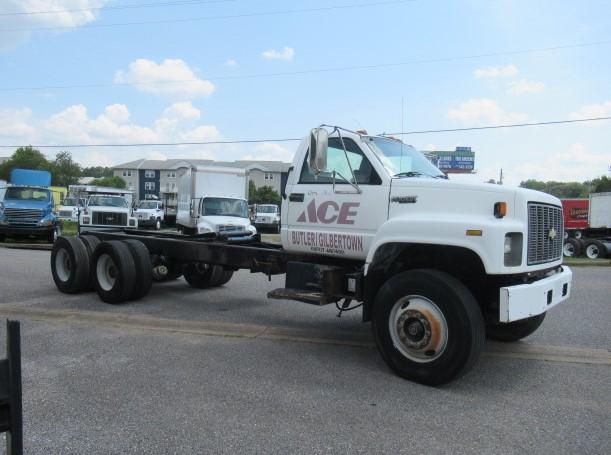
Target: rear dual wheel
{"x": 122, "y": 270}
{"x": 70, "y": 265}
{"x": 595, "y": 249}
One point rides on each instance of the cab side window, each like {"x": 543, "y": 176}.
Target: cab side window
{"x": 364, "y": 172}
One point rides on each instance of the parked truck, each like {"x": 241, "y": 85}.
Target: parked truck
{"x": 213, "y": 200}
{"x": 368, "y": 222}
{"x": 267, "y": 216}
{"x": 588, "y": 226}
{"x": 28, "y": 206}
{"x": 150, "y": 213}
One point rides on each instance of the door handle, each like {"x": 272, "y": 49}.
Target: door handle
{"x": 296, "y": 197}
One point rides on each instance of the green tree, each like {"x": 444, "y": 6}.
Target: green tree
{"x": 24, "y": 158}
{"x": 252, "y": 192}
{"x": 113, "y": 182}
{"x": 97, "y": 172}
{"x": 600, "y": 185}
{"x": 558, "y": 189}
{"x": 65, "y": 171}
{"x": 267, "y": 195}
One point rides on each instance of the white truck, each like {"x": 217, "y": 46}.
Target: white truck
{"x": 107, "y": 211}
{"x": 150, "y": 213}
{"x": 70, "y": 208}
{"x": 267, "y": 216}
{"x": 212, "y": 200}
{"x": 367, "y": 221}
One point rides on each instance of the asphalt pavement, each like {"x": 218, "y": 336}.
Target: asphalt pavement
{"x": 228, "y": 371}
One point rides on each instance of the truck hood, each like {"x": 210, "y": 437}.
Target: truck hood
{"x": 226, "y": 220}
{"x": 443, "y": 197}
{"x": 20, "y": 204}
{"x": 99, "y": 208}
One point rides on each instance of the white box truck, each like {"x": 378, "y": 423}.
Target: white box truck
{"x": 213, "y": 200}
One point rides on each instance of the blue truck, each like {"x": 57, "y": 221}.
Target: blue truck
{"x": 27, "y": 207}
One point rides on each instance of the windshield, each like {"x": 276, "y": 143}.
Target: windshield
{"x": 27, "y": 194}
{"x": 219, "y": 206}
{"x": 267, "y": 209}
{"x": 401, "y": 159}
{"x": 148, "y": 205}
{"x": 107, "y": 201}
{"x": 70, "y": 202}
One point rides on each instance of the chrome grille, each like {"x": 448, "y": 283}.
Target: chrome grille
{"x": 110, "y": 219}
{"x": 65, "y": 213}
{"x": 230, "y": 228}
{"x": 543, "y": 222}
{"x": 23, "y": 216}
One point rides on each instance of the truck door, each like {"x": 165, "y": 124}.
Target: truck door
{"x": 337, "y": 220}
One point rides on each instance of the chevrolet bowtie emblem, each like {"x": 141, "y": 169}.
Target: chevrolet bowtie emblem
{"x": 552, "y": 234}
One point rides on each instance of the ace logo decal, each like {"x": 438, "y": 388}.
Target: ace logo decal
{"x": 329, "y": 212}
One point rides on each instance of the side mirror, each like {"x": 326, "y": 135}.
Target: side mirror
{"x": 319, "y": 143}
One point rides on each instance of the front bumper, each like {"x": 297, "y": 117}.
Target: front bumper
{"x": 266, "y": 225}
{"x": 26, "y": 230}
{"x": 526, "y": 300}
{"x": 147, "y": 222}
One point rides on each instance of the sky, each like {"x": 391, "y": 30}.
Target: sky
{"x": 158, "y": 71}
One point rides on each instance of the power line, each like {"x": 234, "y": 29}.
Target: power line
{"x": 257, "y": 141}
{"x": 211, "y": 18}
{"x": 315, "y": 70}
{"x": 117, "y": 7}
{"x": 492, "y": 127}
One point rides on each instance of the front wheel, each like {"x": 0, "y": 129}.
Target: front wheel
{"x": 427, "y": 326}
{"x": 157, "y": 225}
{"x": 516, "y": 330}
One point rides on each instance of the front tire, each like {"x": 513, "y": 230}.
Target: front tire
{"x": 516, "y": 330}
{"x": 427, "y": 326}
{"x": 158, "y": 224}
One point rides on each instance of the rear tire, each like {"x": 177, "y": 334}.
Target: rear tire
{"x": 165, "y": 269}
{"x": 90, "y": 242}
{"x": 203, "y": 276}
{"x": 114, "y": 271}
{"x": 516, "y": 330}
{"x": 427, "y": 326}
{"x": 144, "y": 268}
{"x": 571, "y": 248}
{"x": 70, "y": 265}
{"x": 595, "y": 249}
{"x": 225, "y": 277}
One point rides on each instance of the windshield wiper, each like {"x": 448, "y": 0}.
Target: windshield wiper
{"x": 409, "y": 174}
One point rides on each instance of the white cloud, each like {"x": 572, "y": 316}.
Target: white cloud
{"x": 182, "y": 110}
{"x": 287, "y": 53}
{"x": 575, "y": 164}
{"x": 593, "y": 110}
{"x": 231, "y": 62}
{"x": 117, "y": 113}
{"x": 172, "y": 77}
{"x": 67, "y": 16}
{"x": 268, "y": 151}
{"x": 525, "y": 86}
{"x": 496, "y": 71}
{"x": 16, "y": 123}
{"x": 484, "y": 111}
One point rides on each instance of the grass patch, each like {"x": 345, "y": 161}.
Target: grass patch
{"x": 70, "y": 228}
{"x": 578, "y": 262}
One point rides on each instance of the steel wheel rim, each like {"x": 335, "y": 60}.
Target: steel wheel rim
{"x": 63, "y": 265}
{"x": 418, "y": 328}
{"x": 106, "y": 272}
{"x": 568, "y": 250}
{"x": 592, "y": 251}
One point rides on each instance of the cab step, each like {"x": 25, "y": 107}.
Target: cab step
{"x": 301, "y": 295}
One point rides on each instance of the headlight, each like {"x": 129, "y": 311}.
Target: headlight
{"x": 513, "y": 249}
{"x": 132, "y": 222}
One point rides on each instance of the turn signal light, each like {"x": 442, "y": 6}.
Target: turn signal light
{"x": 500, "y": 209}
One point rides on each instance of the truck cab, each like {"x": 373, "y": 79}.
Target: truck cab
{"x": 267, "y": 216}
{"x": 150, "y": 213}
{"x": 224, "y": 216}
{"x": 70, "y": 208}
{"x": 27, "y": 209}
{"x": 107, "y": 211}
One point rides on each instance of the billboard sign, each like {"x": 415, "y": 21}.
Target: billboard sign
{"x": 460, "y": 161}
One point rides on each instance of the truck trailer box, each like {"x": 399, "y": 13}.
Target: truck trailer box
{"x": 575, "y": 213}
{"x": 600, "y": 211}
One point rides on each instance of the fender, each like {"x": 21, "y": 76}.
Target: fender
{"x": 449, "y": 231}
